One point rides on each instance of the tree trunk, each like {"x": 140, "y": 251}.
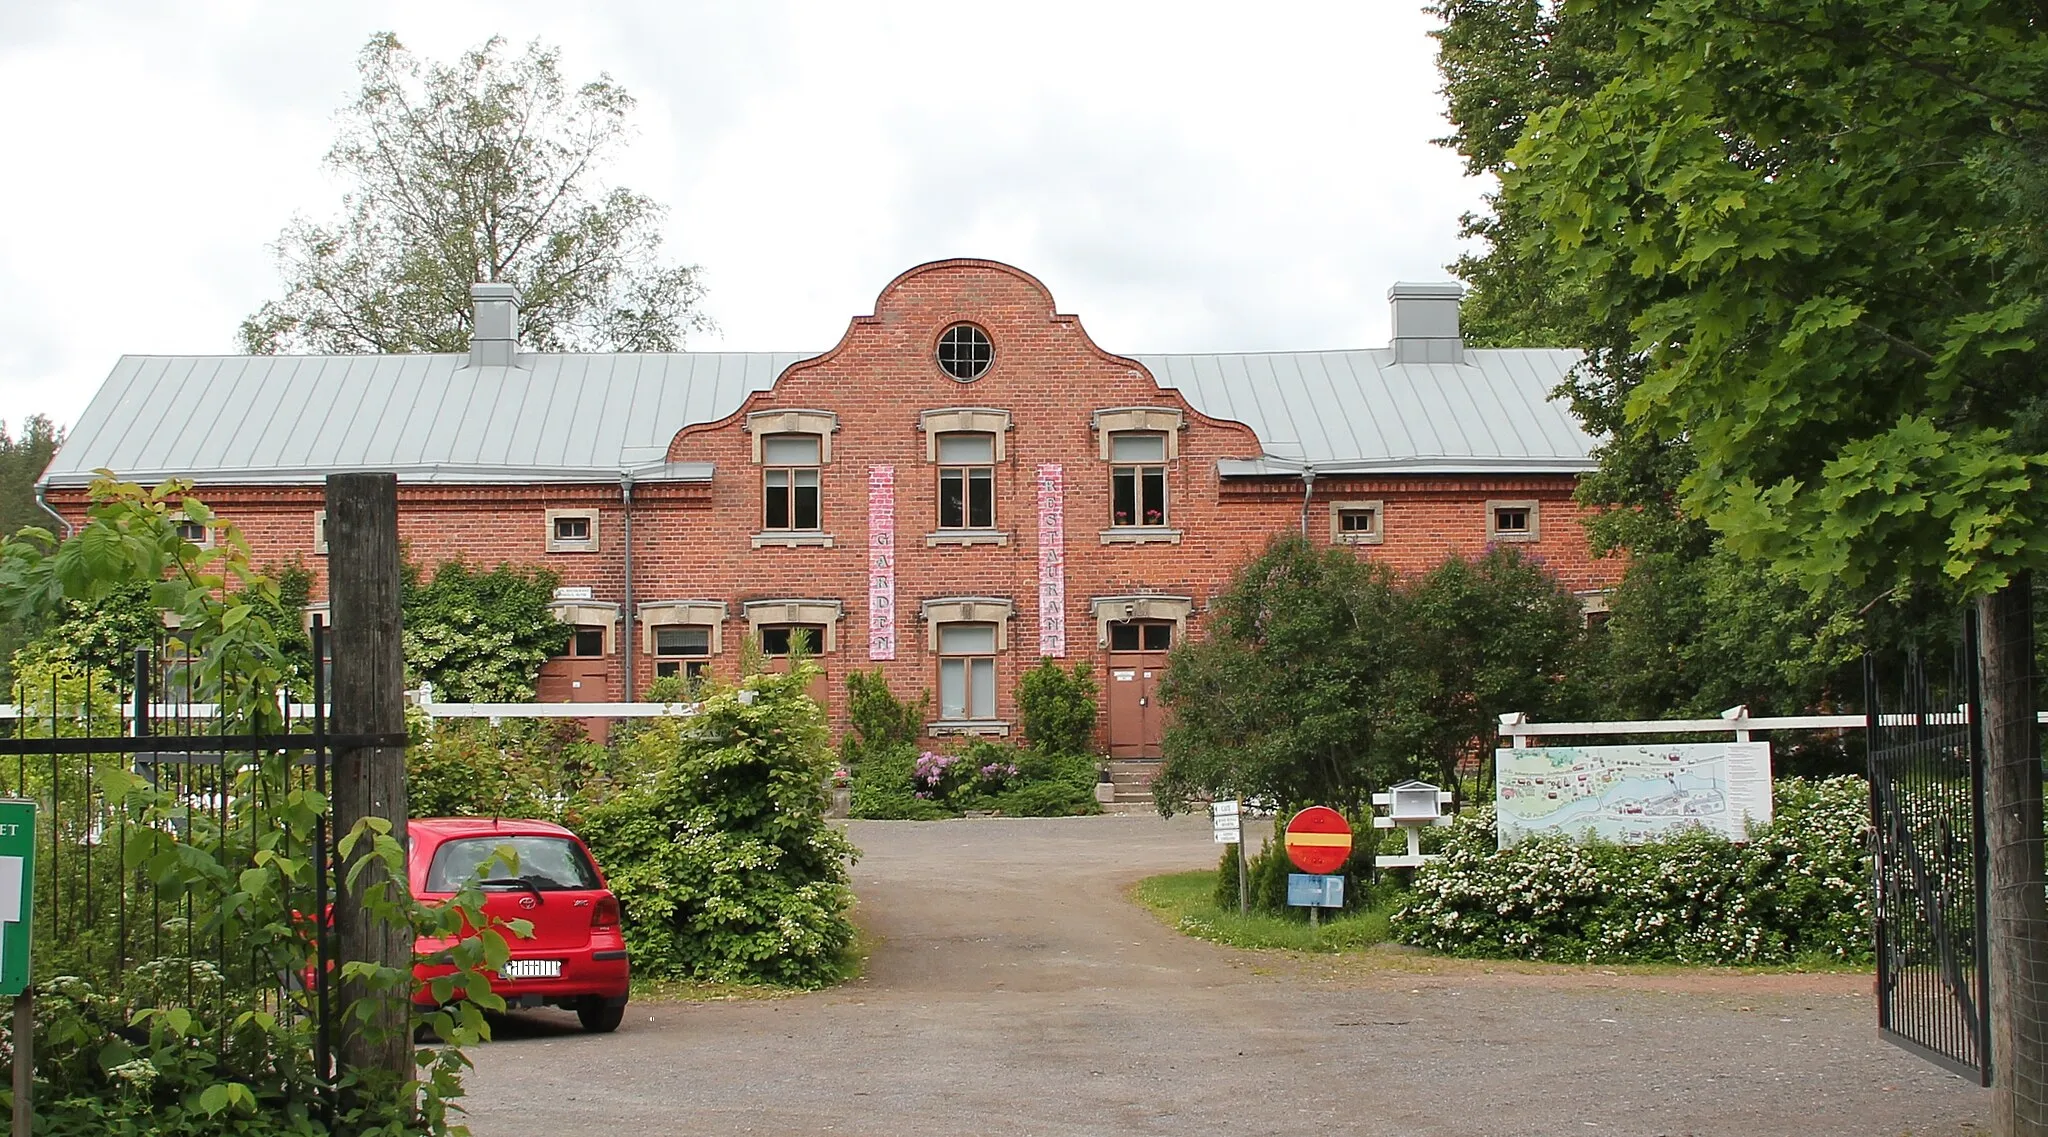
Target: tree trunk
{"x": 2017, "y": 875}
{"x": 369, "y": 698}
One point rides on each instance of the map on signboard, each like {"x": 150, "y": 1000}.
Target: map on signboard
{"x": 1631, "y": 793}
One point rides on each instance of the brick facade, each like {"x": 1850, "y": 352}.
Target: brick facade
{"x": 693, "y": 541}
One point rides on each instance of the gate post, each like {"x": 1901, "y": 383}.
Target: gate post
{"x": 369, "y": 782}
{"x": 2013, "y": 836}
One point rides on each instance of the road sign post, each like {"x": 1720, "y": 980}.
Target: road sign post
{"x": 1318, "y": 842}
{"x": 17, "y": 926}
{"x": 1227, "y": 819}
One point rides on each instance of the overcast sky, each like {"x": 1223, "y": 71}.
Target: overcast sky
{"x": 1184, "y": 177}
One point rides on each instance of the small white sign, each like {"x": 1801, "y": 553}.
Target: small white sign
{"x": 1227, "y": 835}
{"x": 1222, "y": 809}
{"x": 576, "y": 592}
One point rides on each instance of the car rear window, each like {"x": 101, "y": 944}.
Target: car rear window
{"x": 549, "y": 864}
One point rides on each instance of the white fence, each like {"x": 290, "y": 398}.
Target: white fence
{"x": 1734, "y": 720}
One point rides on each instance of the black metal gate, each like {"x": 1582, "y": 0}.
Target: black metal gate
{"x": 80, "y": 740}
{"x": 1927, "y": 817}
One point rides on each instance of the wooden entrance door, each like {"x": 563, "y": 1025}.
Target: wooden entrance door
{"x": 776, "y": 641}
{"x": 1137, "y": 660}
{"x": 579, "y": 677}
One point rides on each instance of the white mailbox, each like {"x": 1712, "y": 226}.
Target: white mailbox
{"x": 1410, "y": 806}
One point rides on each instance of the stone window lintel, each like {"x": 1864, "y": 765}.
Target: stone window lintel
{"x": 967, "y": 610}
{"x": 796, "y": 420}
{"x": 1108, "y": 610}
{"x": 762, "y": 613}
{"x": 977, "y": 420}
{"x": 683, "y": 613}
{"x": 585, "y": 612}
{"x": 1117, "y": 420}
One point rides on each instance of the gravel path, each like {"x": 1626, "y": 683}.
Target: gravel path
{"x": 1014, "y": 990}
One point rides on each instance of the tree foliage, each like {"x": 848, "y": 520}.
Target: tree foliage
{"x": 1480, "y": 637}
{"x": 485, "y": 169}
{"x": 1284, "y": 698}
{"x": 723, "y": 860}
{"x": 1818, "y": 220}
{"x": 23, "y": 459}
{"x": 1057, "y": 708}
{"x": 1322, "y": 677}
{"x": 480, "y": 637}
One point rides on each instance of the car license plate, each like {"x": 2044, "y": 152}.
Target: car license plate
{"x": 532, "y": 969}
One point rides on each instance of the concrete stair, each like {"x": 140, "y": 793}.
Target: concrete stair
{"x": 1132, "y": 779}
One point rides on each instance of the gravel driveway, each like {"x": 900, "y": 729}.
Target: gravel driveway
{"x": 1014, "y": 989}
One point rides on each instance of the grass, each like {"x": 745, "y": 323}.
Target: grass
{"x": 1186, "y": 900}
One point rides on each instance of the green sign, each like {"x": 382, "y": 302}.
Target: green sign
{"x": 17, "y": 889}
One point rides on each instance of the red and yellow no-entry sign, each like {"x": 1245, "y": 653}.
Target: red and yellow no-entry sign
{"x": 1318, "y": 840}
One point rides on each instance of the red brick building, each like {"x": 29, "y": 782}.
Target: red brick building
{"x": 964, "y": 484}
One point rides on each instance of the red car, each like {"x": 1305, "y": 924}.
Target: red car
{"x": 576, "y": 957}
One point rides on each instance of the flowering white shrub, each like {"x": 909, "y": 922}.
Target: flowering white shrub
{"x": 1799, "y": 888}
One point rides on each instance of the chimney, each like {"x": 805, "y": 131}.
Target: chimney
{"x": 1426, "y": 323}
{"x": 494, "y": 336}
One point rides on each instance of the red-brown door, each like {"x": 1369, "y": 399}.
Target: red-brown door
{"x": 1137, "y": 660}
{"x": 578, "y": 677}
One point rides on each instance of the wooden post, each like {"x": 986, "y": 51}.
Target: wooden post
{"x": 368, "y": 697}
{"x": 24, "y": 1062}
{"x": 2017, "y": 873}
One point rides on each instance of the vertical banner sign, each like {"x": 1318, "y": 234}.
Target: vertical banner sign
{"x": 881, "y": 562}
{"x": 1052, "y": 562}
{"x": 17, "y": 886}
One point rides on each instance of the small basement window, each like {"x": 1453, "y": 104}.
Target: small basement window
{"x": 1511, "y": 520}
{"x": 572, "y": 530}
{"x": 195, "y": 533}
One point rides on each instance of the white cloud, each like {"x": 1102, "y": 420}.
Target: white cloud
{"x": 1183, "y": 176}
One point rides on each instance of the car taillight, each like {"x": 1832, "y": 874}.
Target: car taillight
{"x": 606, "y": 913}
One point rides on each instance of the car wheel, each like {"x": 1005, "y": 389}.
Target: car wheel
{"x": 598, "y": 1017}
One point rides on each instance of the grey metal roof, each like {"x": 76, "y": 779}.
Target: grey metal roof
{"x": 1359, "y": 411}
{"x": 291, "y": 420}
{"x": 429, "y": 418}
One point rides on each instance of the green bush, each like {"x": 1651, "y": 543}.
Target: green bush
{"x": 876, "y": 718}
{"x": 882, "y": 789}
{"x": 544, "y": 768}
{"x": 722, "y": 859}
{"x": 900, "y": 782}
{"x": 480, "y": 637}
{"x": 1057, "y": 708}
{"x": 1797, "y": 890}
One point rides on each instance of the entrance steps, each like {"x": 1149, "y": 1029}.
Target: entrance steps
{"x": 1132, "y": 779}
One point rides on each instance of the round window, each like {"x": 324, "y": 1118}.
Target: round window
{"x": 964, "y": 351}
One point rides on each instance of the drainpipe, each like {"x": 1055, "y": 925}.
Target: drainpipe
{"x": 40, "y": 500}
{"x": 1308, "y": 491}
{"x": 626, "y": 641}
